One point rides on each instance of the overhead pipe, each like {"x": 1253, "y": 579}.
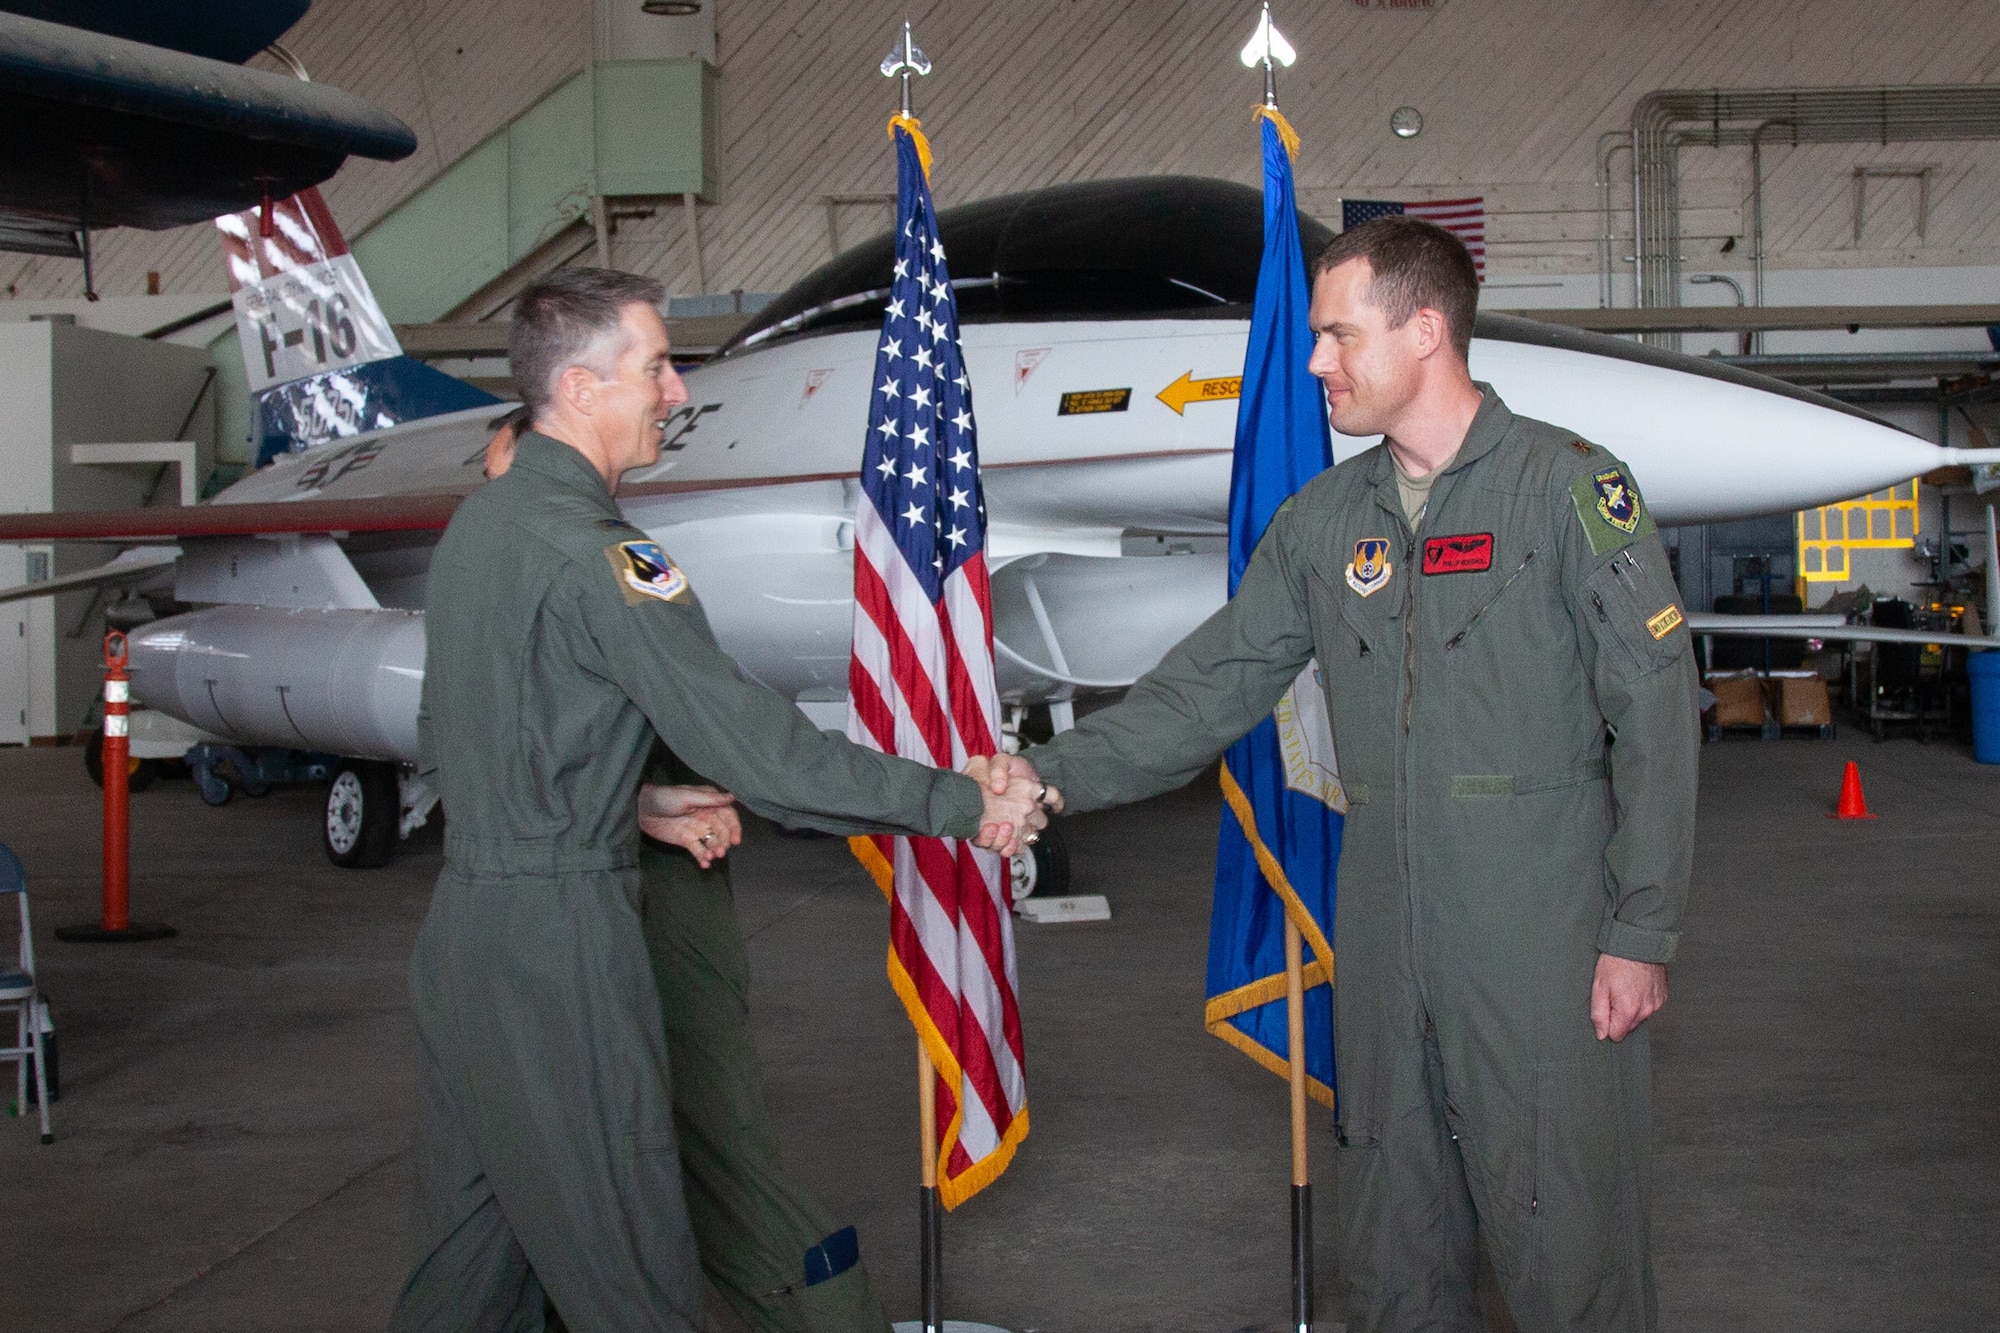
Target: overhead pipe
{"x": 1721, "y": 117}
{"x": 1608, "y": 143}
{"x": 1755, "y": 343}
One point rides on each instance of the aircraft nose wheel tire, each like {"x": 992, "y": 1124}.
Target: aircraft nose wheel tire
{"x": 1042, "y": 870}
{"x": 363, "y": 808}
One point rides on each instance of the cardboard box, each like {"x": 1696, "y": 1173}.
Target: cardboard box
{"x": 1799, "y": 699}
{"x": 1739, "y": 699}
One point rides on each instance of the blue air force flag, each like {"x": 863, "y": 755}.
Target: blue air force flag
{"x": 1280, "y": 836}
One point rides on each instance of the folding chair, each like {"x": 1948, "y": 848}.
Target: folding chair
{"x": 17, "y": 987}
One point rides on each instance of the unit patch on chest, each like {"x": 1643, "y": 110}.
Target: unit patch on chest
{"x": 1608, "y": 506}
{"x": 1368, "y": 572}
{"x": 644, "y": 571}
{"x": 1463, "y": 553}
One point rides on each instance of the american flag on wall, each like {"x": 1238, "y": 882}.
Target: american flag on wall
{"x": 920, "y": 685}
{"x": 1463, "y": 218}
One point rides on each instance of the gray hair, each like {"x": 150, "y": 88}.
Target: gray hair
{"x": 570, "y": 318}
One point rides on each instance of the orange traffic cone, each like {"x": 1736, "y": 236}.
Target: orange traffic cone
{"x": 1852, "y": 804}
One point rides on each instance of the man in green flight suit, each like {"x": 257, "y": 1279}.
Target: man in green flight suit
{"x": 756, "y": 1230}
{"x": 1512, "y": 696}
{"x": 560, "y": 641}
{"x": 768, "y": 1248}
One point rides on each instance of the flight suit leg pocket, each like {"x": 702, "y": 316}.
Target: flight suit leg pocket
{"x": 1578, "y": 1214}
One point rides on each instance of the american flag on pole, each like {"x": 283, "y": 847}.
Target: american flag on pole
{"x": 920, "y": 685}
{"x": 1463, "y": 218}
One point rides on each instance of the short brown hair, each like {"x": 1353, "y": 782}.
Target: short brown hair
{"x": 563, "y": 320}
{"x": 1416, "y": 265}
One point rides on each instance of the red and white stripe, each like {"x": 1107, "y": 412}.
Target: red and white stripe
{"x": 922, "y": 686}
{"x": 303, "y": 233}
{"x": 1463, "y": 218}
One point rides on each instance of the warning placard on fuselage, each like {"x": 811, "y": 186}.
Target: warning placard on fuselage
{"x": 1088, "y": 402}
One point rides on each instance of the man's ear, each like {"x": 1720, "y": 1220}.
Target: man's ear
{"x": 1433, "y": 330}
{"x": 577, "y": 388}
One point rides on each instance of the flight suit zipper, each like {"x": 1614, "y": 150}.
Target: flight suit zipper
{"x": 1481, "y": 609}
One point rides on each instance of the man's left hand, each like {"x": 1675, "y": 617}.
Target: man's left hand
{"x": 700, "y": 820}
{"x": 1624, "y": 995}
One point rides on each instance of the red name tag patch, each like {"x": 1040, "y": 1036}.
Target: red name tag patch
{"x": 1466, "y": 553}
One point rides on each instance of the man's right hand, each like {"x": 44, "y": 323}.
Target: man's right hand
{"x": 995, "y": 771}
{"x": 1013, "y": 817}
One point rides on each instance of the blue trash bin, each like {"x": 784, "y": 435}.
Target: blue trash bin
{"x": 1984, "y": 669}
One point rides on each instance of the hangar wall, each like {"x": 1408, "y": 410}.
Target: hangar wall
{"x": 1515, "y": 96}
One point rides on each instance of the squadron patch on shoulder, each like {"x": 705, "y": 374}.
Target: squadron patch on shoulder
{"x": 644, "y": 571}
{"x": 1608, "y": 506}
{"x": 1665, "y": 623}
{"x": 1617, "y": 502}
{"x": 1368, "y": 572}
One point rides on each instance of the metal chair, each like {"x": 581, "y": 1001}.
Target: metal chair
{"x": 17, "y": 987}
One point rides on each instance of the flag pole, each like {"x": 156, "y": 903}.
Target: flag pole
{"x": 1267, "y": 48}
{"x": 1295, "y": 1022}
{"x": 929, "y": 1221}
{"x": 902, "y": 62}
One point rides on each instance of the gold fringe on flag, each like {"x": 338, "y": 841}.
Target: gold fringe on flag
{"x": 1286, "y": 134}
{"x": 952, "y": 1190}
{"x": 915, "y": 128}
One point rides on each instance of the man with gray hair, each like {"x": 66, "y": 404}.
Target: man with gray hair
{"x": 560, "y": 641}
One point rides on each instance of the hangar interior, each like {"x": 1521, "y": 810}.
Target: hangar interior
{"x": 1804, "y": 189}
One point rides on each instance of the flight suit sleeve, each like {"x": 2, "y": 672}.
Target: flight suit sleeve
{"x": 1639, "y": 656}
{"x": 1211, "y": 688}
{"x": 758, "y": 745}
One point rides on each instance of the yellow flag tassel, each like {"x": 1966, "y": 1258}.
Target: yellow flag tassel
{"x": 915, "y": 128}
{"x": 1286, "y": 134}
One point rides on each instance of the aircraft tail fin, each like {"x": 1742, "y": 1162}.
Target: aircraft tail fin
{"x": 322, "y": 359}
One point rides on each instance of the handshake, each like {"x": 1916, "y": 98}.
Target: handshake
{"x": 1018, "y": 803}
{"x": 703, "y": 820}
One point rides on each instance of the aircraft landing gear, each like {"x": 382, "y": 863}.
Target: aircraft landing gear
{"x": 363, "y": 811}
{"x": 1041, "y": 870}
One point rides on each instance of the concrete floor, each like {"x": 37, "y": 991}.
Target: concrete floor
{"x": 232, "y": 1142}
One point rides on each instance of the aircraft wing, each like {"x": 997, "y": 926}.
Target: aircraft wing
{"x": 388, "y": 513}
{"x": 1825, "y": 627}
{"x": 125, "y": 567}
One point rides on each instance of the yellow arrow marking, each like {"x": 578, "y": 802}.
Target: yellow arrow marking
{"x": 1187, "y": 389}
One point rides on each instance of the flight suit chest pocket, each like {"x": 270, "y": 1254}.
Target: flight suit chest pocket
{"x": 1346, "y": 637}
{"x": 1635, "y": 612}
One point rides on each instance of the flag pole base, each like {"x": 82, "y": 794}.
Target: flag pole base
{"x": 1302, "y": 1258}
{"x": 94, "y": 933}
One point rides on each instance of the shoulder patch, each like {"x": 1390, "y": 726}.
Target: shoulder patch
{"x": 644, "y": 571}
{"x": 1609, "y": 508}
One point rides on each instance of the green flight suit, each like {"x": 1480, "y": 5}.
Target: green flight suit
{"x": 1513, "y": 707}
{"x": 752, "y": 1224}
{"x": 560, "y": 641}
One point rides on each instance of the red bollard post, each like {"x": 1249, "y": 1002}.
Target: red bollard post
{"x": 116, "y": 922}
{"x": 117, "y": 786}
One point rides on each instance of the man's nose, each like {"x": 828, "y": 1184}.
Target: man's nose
{"x": 673, "y": 389}
{"x": 1323, "y": 361}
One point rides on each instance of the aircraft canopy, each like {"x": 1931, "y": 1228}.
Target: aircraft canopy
{"x": 1145, "y": 247}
